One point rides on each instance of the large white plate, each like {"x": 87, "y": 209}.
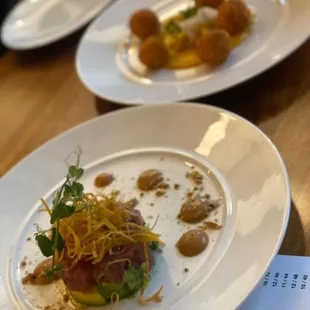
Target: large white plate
{"x": 246, "y": 169}
{"x": 280, "y": 27}
{"x": 35, "y": 23}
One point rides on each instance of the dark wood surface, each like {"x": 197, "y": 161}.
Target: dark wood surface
{"x": 41, "y": 96}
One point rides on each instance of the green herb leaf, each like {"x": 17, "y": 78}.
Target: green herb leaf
{"x": 61, "y": 211}
{"x": 45, "y": 245}
{"x": 63, "y": 206}
{"x": 77, "y": 189}
{"x": 80, "y": 173}
{"x": 56, "y": 269}
{"x": 189, "y": 13}
{"x": 67, "y": 195}
{"x": 49, "y": 273}
{"x": 173, "y": 27}
{"x": 75, "y": 172}
{"x": 57, "y": 198}
{"x": 59, "y": 267}
{"x": 59, "y": 246}
{"x": 154, "y": 245}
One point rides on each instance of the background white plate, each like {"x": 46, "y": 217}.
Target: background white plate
{"x": 34, "y": 23}
{"x": 234, "y": 149}
{"x": 280, "y": 27}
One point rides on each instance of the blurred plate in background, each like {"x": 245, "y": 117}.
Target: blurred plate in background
{"x": 280, "y": 27}
{"x": 35, "y": 23}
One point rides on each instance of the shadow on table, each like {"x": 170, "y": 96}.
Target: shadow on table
{"x": 294, "y": 241}
{"x": 104, "y": 106}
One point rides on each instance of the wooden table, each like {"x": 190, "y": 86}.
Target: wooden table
{"x": 41, "y": 96}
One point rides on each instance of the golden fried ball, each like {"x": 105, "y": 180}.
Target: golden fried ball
{"x": 210, "y": 3}
{"x": 153, "y": 53}
{"x": 144, "y": 23}
{"x": 233, "y": 16}
{"x": 214, "y": 47}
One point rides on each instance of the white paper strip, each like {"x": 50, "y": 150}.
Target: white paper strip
{"x": 285, "y": 286}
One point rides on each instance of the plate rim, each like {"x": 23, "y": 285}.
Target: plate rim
{"x": 52, "y": 38}
{"x": 233, "y": 83}
{"x": 286, "y": 211}
{"x": 150, "y": 106}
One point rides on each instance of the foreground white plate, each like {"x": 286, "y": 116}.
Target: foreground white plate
{"x": 35, "y": 23}
{"x": 280, "y": 27}
{"x": 245, "y": 170}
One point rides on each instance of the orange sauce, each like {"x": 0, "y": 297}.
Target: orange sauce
{"x": 189, "y": 58}
{"x": 184, "y": 60}
{"x": 239, "y": 38}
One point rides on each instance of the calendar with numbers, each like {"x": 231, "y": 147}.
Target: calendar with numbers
{"x": 285, "y": 286}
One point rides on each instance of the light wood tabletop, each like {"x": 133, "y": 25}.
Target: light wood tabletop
{"x": 41, "y": 96}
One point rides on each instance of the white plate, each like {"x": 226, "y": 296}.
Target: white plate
{"x": 241, "y": 164}
{"x": 281, "y": 26}
{"x": 35, "y": 23}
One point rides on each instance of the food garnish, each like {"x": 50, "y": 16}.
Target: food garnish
{"x": 190, "y": 12}
{"x": 68, "y": 200}
{"x": 173, "y": 28}
{"x": 99, "y": 245}
{"x": 204, "y": 33}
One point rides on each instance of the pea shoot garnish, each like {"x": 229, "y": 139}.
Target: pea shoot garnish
{"x": 173, "y": 28}
{"x": 189, "y": 12}
{"x": 94, "y": 229}
{"x": 65, "y": 202}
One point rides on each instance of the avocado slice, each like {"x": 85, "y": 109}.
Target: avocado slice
{"x": 132, "y": 282}
{"x": 89, "y": 298}
{"x": 101, "y": 294}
